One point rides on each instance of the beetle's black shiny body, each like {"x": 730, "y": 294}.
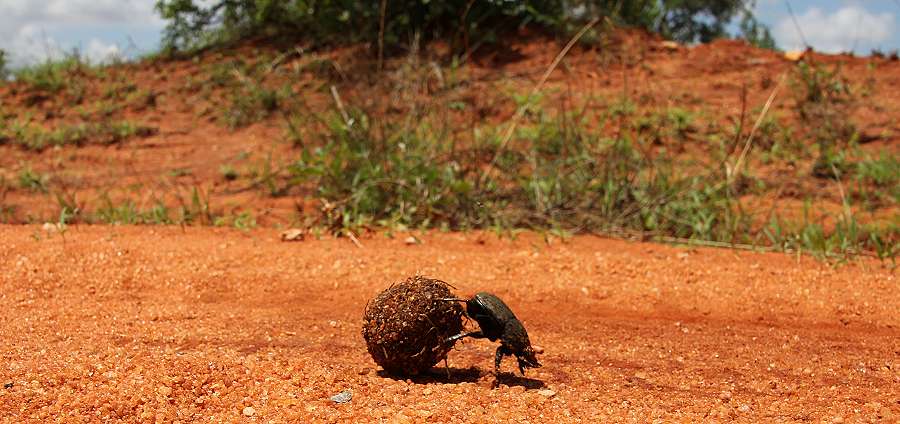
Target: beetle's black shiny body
{"x": 498, "y": 322}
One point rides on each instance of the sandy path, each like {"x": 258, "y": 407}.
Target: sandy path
{"x": 144, "y": 324}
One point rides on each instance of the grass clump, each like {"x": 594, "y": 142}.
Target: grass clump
{"x": 825, "y": 102}
{"x": 393, "y": 175}
{"x": 878, "y": 179}
{"x": 31, "y": 136}
{"x": 54, "y": 75}
{"x": 33, "y": 181}
{"x": 415, "y": 177}
{"x": 252, "y": 102}
{"x": 558, "y": 174}
{"x": 128, "y": 213}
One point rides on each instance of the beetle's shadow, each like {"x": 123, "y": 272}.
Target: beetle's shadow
{"x": 454, "y": 375}
{"x": 511, "y": 380}
{"x": 438, "y": 375}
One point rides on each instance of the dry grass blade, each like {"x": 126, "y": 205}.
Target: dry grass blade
{"x": 340, "y": 106}
{"x": 520, "y": 112}
{"x": 740, "y": 162}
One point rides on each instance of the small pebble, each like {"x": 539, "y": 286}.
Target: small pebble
{"x": 249, "y": 411}
{"x": 744, "y": 408}
{"x": 725, "y": 396}
{"x": 293, "y": 234}
{"x": 547, "y": 393}
{"x": 342, "y": 397}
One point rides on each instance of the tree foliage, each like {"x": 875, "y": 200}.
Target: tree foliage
{"x": 4, "y": 71}
{"x": 193, "y": 24}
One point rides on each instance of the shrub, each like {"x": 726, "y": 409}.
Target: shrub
{"x": 4, "y": 69}
{"x": 193, "y": 25}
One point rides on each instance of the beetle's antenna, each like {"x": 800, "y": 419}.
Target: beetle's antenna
{"x": 453, "y": 299}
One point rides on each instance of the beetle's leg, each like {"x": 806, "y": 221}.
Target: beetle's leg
{"x": 447, "y": 367}
{"x": 472, "y": 334}
{"x": 501, "y": 352}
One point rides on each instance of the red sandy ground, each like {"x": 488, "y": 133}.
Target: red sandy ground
{"x": 111, "y": 324}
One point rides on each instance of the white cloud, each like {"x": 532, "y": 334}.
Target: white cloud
{"x": 98, "y": 51}
{"x": 32, "y": 31}
{"x": 847, "y": 28}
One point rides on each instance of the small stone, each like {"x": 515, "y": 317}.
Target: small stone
{"x": 426, "y": 392}
{"x": 342, "y": 397}
{"x": 838, "y": 419}
{"x": 249, "y": 411}
{"x": 725, "y": 396}
{"x": 744, "y": 408}
{"x": 670, "y": 45}
{"x": 547, "y": 393}
{"x": 293, "y": 234}
{"x": 517, "y": 389}
{"x": 794, "y": 55}
{"x": 164, "y": 390}
{"x": 412, "y": 240}
{"x": 365, "y": 371}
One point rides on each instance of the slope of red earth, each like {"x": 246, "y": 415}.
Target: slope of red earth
{"x": 719, "y": 82}
{"x": 163, "y": 324}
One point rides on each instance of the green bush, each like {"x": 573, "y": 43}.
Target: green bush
{"x": 192, "y": 25}
{"x": 4, "y": 67}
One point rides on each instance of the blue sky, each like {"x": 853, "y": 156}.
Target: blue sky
{"x": 31, "y": 30}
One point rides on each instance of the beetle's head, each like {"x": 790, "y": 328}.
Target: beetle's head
{"x": 527, "y": 359}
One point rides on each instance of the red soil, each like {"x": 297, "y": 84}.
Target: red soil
{"x": 138, "y": 324}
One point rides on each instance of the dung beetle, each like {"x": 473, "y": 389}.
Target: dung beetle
{"x": 498, "y": 322}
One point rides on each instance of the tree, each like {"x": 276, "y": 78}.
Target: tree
{"x": 755, "y": 33}
{"x": 192, "y": 25}
{"x": 4, "y": 70}
{"x": 697, "y": 20}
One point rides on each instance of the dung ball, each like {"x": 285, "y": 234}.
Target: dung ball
{"x": 406, "y": 326}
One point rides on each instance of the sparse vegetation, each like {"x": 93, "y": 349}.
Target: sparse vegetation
{"x": 372, "y": 173}
{"x": 32, "y": 136}
{"x": 33, "y": 181}
{"x": 825, "y": 102}
{"x": 417, "y": 145}
{"x": 52, "y": 76}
